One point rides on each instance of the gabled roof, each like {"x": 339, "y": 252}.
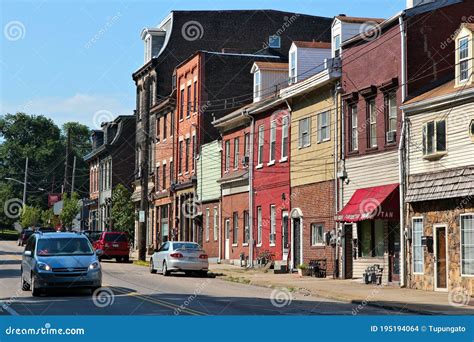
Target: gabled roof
{"x": 358, "y": 20}
{"x": 271, "y": 65}
{"x": 312, "y": 45}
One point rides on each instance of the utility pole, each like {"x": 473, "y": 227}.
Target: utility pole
{"x": 24, "y": 183}
{"x": 66, "y": 163}
{"x": 143, "y": 215}
{"x": 73, "y": 174}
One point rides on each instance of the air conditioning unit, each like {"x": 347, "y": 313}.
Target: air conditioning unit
{"x": 245, "y": 160}
{"x": 391, "y": 136}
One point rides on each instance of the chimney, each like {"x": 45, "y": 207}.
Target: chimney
{"x": 414, "y": 3}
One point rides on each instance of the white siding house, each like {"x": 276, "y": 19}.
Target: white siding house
{"x": 307, "y": 59}
{"x": 269, "y": 77}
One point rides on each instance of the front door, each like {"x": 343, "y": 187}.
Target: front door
{"x": 296, "y": 242}
{"x": 284, "y": 233}
{"x": 394, "y": 251}
{"x": 348, "y": 251}
{"x": 441, "y": 275}
{"x": 227, "y": 239}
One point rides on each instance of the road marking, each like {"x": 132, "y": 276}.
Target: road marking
{"x": 160, "y": 302}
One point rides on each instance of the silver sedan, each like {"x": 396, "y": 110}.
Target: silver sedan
{"x": 179, "y": 256}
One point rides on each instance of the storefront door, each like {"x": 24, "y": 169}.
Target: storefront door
{"x": 394, "y": 251}
{"x": 441, "y": 275}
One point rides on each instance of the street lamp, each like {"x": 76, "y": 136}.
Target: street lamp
{"x": 24, "y": 187}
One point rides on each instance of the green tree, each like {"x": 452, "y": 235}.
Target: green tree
{"x": 30, "y": 216}
{"x": 70, "y": 210}
{"x": 47, "y": 217}
{"x": 122, "y": 213}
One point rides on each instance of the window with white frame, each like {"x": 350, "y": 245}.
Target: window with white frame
{"x": 246, "y": 227}
{"x": 236, "y": 153}
{"x": 261, "y": 141}
{"x": 274, "y": 42}
{"x": 208, "y": 219}
{"x": 391, "y": 103}
{"x": 216, "y": 223}
{"x": 292, "y": 67}
{"x": 272, "y": 225}
{"x": 434, "y": 137}
{"x": 463, "y": 59}
{"x": 467, "y": 244}
{"x": 323, "y": 126}
{"x": 256, "y": 85}
{"x": 418, "y": 252}
{"x": 317, "y": 234}
{"x": 354, "y": 128}
{"x": 304, "y": 134}
{"x": 337, "y": 46}
{"x": 235, "y": 231}
{"x": 227, "y": 155}
{"x": 372, "y": 118}
{"x": 284, "y": 137}
{"x": 273, "y": 128}
{"x": 259, "y": 225}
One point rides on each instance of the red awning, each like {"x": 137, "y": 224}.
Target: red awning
{"x": 378, "y": 202}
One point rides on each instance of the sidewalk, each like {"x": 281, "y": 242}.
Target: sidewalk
{"x": 352, "y": 291}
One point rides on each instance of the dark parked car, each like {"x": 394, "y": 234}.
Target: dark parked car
{"x": 24, "y": 236}
{"x": 115, "y": 245}
{"x": 59, "y": 260}
{"x": 46, "y": 230}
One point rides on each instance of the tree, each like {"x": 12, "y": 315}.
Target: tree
{"x": 47, "y": 217}
{"x": 30, "y": 216}
{"x": 123, "y": 212}
{"x": 70, "y": 210}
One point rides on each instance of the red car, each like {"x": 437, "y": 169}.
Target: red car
{"x": 114, "y": 245}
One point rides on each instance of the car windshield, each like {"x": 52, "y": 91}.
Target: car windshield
{"x": 115, "y": 238}
{"x": 63, "y": 246}
{"x": 184, "y": 245}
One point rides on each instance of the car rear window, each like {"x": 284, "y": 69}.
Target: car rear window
{"x": 95, "y": 236}
{"x": 194, "y": 246}
{"x": 116, "y": 238}
{"x": 63, "y": 246}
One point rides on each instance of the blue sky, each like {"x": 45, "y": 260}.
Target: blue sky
{"x": 50, "y": 65}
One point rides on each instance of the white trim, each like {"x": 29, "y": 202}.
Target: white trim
{"x": 412, "y": 241}
{"x": 435, "y": 266}
{"x": 460, "y": 246}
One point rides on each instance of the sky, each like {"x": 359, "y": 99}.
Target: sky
{"x": 73, "y": 60}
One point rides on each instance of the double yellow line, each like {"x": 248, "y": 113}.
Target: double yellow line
{"x": 175, "y": 307}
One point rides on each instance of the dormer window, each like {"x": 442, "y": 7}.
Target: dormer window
{"x": 293, "y": 67}
{"x": 337, "y": 46}
{"x": 274, "y": 42}
{"x": 463, "y": 59}
{"x": 147, "y": 49}
{"x": 256, "y": 85}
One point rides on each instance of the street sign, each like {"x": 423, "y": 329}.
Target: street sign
{"x": 141, "y": 216}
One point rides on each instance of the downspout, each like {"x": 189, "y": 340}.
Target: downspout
{"x": 251, "y": 146}
{"x": 220, "y": 206}
{"x": 289, "y": 182}
{"x": 336, "y": 168}
{"x": 401, "y": 168}
{"x": 341, "y": 183}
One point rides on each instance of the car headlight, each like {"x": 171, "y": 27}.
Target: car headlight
{"x": 94, "y": 266}
{"x": 44, "y": 267}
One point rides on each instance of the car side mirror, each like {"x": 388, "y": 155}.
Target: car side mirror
{"x": 27, "y": 253}
{"x": 99, "y": 252}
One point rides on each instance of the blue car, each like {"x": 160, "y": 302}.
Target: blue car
{"x": 60, "y": 260}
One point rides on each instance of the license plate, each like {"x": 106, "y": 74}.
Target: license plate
{"x": 115, "y": 245}
{"x": 192, "y": 258}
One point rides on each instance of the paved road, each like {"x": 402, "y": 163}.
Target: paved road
{"x": 131, "y": 290}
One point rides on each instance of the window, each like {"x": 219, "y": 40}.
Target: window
{"x": 216, "y": 223}
{"x": 165, "y": 126}
{"x": 274, "y": 42}
{"x": 247, "y": 144}
{"x": 164, "y": 223}
{"x": 259, "y": 225}
{"x": 417, "y": 247}
{"x": 194, "y": 152}
{"x": 157, "y": 177}
{"x": 256, "y": 85}
{"x": 323, "y": 126}
{"x": 171, "y": 124}
{"x": 372, "y": 118}
{"x": 272, "y": 225}
{"x": 181, "y": 104}
{"x": 304, "y": 138}
{"x": 171, "y": 172}
{"x": 261, "y": 141}
{"x": 284, "y": 138}
{"x": 235, "y": 232}
{"x": 236, "y": 153}
{"x": 157, "y": 129}
{"x": 317, "y": 234}
{"x": 463, "y": 59}
{"x": 273, "y": 128}
{"x": 208, "y": 218}
{"x": 188, "y": 102}
{"x": 164, "y": 177}
{"x": 227, "y": 155}
{"x": 391, "y": 110}
{"x": 337, "y": 46}
{"x": 354, "y": 140}
{"x": 371, "y": 238}
{"x": 434, "y": 137}
{"x": 180, "y": 157}
{"x": 195, "y": 97}
{"x": 467, "y": 244}
{"x": 292, "y": 67}
{"x": 187, "y": 156}
{"x": 246, "y": 227}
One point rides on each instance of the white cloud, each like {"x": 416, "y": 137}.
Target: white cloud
{"x": 80, "y": 107}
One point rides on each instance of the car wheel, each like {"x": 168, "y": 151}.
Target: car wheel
{"x": 35, "y": 291}
{"x": 152, "y": 267}
{"x": 203, "y": 274}
{"x": 126, "y": 259}
{"x": 119, "y": 259}
{"x": 165, "y": 269}
{"x": 24, "y": 285}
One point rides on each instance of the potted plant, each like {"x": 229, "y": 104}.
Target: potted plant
{"x": 302, "y": 270}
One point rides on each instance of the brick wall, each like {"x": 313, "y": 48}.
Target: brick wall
{"x": 234, "y": 203}
{"x": 211, "y": 244}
